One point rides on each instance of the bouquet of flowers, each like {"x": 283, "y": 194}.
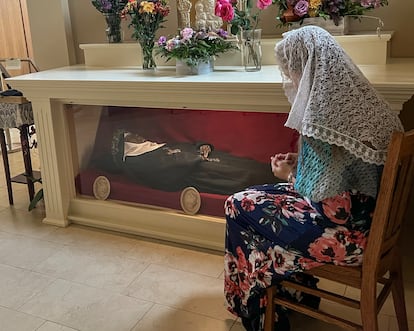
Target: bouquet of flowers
{"x": 109, "y": 6}
{"x": 111, "y": 9}
{"x": 193, "y": 47}
{"x": 297, "y": 10}
{"x": 240, "y": 13}
{"x": 146, "y": 18}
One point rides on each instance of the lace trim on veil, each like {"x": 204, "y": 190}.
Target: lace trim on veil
{"x": 355, "y": 147}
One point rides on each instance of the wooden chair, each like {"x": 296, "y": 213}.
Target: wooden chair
{"x": 382, "y": 259}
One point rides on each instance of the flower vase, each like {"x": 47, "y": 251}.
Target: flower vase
{"x": 202, "y": 67}
{"x": 148, "y": 61}
{"x": 251, "y": 49}
{"x": 113, "y": 27}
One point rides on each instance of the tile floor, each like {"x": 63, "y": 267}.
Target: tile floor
{"x": 80, "y": 278}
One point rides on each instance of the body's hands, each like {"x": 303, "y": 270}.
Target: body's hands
{"x": 283, "y": 164}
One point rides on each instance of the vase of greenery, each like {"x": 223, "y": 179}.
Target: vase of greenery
{"x": 111, "y": 10}
{"x": 243, "y": 18}
{"x": 146, "y": 18}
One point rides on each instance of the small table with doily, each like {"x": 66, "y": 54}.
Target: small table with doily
{"x": 16, "y": 112}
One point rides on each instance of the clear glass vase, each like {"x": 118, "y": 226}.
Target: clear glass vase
{"x": 148, "y": 61}
{"x": 113, "y": 27}
{"x": 251, "y": 49}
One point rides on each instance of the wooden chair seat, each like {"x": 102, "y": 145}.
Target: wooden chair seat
{"x": 382, "y": 259}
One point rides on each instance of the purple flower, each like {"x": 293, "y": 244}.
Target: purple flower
{"x": 222, "y": 33}
{"x": 162, "y": 40}
{"x": 106, "y": 4}
{"x": 171, "y": 44}
{"x": 371, "y": 3}
{"x": 301, "y": 8}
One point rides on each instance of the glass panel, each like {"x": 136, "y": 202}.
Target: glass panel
{"x": 151, "y": 156}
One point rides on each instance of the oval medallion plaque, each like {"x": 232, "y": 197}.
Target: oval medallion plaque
{"x": 190, "y": 200}
{"x": 101, "y": 188}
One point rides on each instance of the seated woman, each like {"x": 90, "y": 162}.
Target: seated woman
{"x": 322, "y": 214}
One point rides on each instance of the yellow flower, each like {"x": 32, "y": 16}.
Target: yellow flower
{"x": 315, "y": 4}
{"x": 312, "y": 12}
{"x": 147, "y": 7}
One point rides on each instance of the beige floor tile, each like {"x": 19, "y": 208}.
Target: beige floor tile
{"x": 50, "y": 326}
{"x": 169, "y": 319}
{"x": 20, "y": 196}
{"x": 97, "y": 270}
{"x": 388, "y": 308}
{"x": 394, "y": 325}
{"x": 11, "y": 320}
{"x": 183, "y": 290}
{"x": 329, "y": 285}
{"x": 237, "y": 326}
{"x": 24, "y": 252}
{"x": 95, "y": 241}
{"x": 86, "y": 308}
{"x": 25, "y": 223}
{"x": 17, "y": 285}
{"x": 182, "y": 258}
{"x": 300, "y": 322}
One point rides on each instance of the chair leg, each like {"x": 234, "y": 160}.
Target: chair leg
{"x": 270, "y": 309}
{"x": 369, "y": 305}
{"x": 398, "y": 296}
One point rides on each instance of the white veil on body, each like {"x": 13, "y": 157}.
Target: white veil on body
{"x": 333, "y": 103}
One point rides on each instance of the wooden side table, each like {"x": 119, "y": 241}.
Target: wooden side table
{"x": 16, "y": 112}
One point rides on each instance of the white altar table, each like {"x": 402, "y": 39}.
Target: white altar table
{"x": 227, "y": 88}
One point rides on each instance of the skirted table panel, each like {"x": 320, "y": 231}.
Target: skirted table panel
{"x": 16, "y": 112}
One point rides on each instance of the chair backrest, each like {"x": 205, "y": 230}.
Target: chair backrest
{"x": 396, "y": 185}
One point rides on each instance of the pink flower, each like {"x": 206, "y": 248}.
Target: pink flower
{"x": 338, "y": 208}
{"x": 263, "y": 4}
{"x": 301, "y": 8}
{"x": 326, "y": 249}
{"x": 186, "y": 33}
{"x": 247, "y": 204}
{"x": 225, "y": 10}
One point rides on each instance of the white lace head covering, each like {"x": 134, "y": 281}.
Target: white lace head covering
{"x": 331, "y": 99}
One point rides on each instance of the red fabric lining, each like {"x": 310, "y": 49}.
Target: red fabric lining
{"x": 245, "y": 134}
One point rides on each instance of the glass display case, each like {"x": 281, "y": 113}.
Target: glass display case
{"x": 180, "y": 159}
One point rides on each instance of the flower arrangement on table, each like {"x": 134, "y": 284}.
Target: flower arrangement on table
{"x": 297, "y": 10}
{"x": 109, "y": 6}
{"x": 111, "y": 9}
{"x": 240, "y": 13}
{"x": 146, "y": 18}
{"x": 192, "y": 47}
{"x": 244, "y": 20}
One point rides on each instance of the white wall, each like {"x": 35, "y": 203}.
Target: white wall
{"x": 51, "y": 31}
{"x": 59, "y": 26}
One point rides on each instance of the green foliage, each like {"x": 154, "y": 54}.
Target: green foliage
{"x": 39, "y": 194}
{"x": 193, "y": 46}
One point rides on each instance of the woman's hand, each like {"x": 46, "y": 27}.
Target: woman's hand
{"x": 283, "y": 164}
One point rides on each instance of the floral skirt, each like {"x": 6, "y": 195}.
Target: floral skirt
{"x": 273, "y": 233}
